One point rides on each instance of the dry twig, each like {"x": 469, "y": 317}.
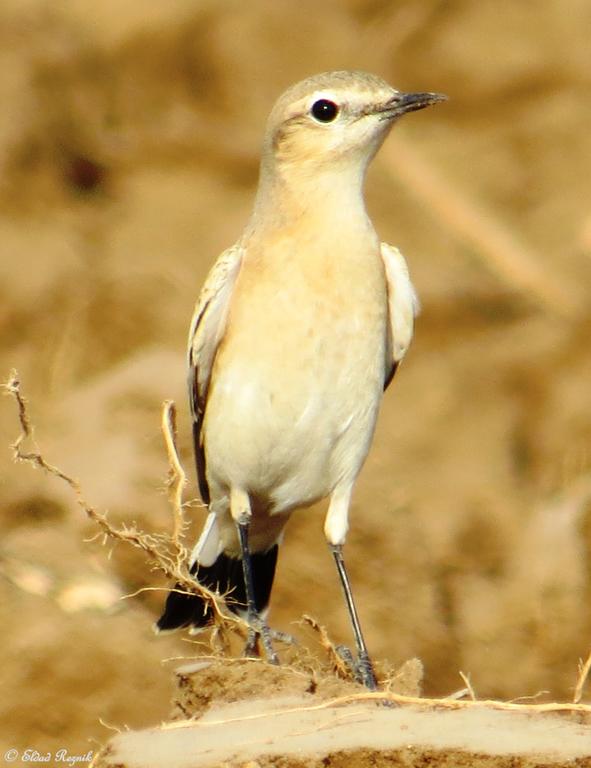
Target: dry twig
{"x": 338, "y": 664}
{"x": 584, "y": 669}
{"x": 468, "y": 685}
{"x": 177, "y": 479}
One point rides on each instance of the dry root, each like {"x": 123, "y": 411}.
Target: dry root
{"x": 165, "y": 552}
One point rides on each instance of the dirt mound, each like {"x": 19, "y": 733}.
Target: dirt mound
{"x": 250, "y": 714}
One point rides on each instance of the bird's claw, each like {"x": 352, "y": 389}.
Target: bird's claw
{"x": 258, "y": 628}
{"x": 347, "y": 658}
{"x": 364, "y": 669}
{"x": 361, "y": 668}
{"x": 282, "y": 637}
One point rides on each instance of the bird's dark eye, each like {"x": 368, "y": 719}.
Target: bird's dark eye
{"x": 324, "y": 111}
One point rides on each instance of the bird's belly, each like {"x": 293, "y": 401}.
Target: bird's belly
{"x": 292, "y": 414}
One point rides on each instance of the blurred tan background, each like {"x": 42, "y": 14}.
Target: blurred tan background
{"x": 129, "y": 140}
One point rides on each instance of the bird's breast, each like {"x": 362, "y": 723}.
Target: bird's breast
{"x": 299, "y": 373}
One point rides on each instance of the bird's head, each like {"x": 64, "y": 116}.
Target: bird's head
{"x": 336, "y": 119}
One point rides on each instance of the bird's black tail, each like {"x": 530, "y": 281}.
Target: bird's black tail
{"x": 225, "y": 576}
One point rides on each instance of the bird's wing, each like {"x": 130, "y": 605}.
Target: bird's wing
{"x": 207, "y": 329}
{"x": 403, "y": 307}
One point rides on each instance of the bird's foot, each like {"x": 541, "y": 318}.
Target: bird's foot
{"x": 365, "y": 671}
{"x": 259, "y": 629}
{"x": 361, "y": 668}
{"x": 282, "y": 637}
{"x": 348, "y": 659}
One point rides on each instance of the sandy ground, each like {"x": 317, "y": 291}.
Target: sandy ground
{"x": 129, "y": 140}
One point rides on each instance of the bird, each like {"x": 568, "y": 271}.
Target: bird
{"x": 297, "y": 332}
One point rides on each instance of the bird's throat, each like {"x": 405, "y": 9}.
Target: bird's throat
{"x": 329, "y": 198}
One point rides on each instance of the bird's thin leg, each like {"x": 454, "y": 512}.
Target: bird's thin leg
{"x": 257, "y": 625}
{"x": 365, "y": 666}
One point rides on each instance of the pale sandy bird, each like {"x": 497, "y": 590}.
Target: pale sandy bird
{"x": 298, "y": 330}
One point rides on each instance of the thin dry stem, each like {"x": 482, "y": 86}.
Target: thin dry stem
{"x": 339, "y": 666}
{"x": 177, "y": 479}
{"x": 460, "y": 694}
{"x": 468, "y": 685}
{"x": 584, "y": 669}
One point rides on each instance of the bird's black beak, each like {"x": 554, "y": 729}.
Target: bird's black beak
{"x": 409, "y": 102}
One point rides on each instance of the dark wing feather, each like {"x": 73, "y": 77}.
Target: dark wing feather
{"x": 207, "y": 329}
